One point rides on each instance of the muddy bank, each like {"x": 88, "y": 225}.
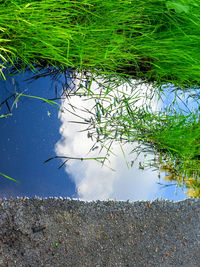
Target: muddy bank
{"x": 63, "y": 232}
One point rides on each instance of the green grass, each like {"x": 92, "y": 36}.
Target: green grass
{"x": 16, "y": 99}
{"x": 172, "y": 135}
{"x": 157, "y": 41}
{"x": 154, "y": 41}
{"x": 8, "y": 177}
{"x": 122, "y": 120}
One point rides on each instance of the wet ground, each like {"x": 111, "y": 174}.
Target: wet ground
{"x": 63, "y": 232}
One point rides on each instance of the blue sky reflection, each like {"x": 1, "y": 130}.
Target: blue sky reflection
{"x": 37, "y": 131}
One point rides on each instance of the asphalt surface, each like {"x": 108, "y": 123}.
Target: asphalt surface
{"x": 63, "y": 232}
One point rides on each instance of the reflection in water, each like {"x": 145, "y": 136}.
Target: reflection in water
{"x": 92, "y": 180}
{"x": 28, "y": 138}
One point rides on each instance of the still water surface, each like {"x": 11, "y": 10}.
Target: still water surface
{"x": 37, "y": 131}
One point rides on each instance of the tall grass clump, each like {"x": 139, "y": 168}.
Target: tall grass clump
{"x": 174, "y": 139}
{"x": 157, "y": 41}
{"x": 127, "y": 117}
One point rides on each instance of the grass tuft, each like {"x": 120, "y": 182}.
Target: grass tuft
{"x": 156, "y": 41}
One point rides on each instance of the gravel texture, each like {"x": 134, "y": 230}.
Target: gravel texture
{"x": 63, "y": 232}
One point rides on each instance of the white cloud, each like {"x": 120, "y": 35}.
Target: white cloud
{"x": 92, "y": 180}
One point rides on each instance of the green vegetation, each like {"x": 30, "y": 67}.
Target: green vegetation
{"x": 155, "y": 42}
{"x": 173, "y": 136}
{"x": 8, "y": 177}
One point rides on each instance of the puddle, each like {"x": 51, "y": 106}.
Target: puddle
{"x": 37, "y": 131}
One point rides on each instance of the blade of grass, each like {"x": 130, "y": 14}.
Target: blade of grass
{"x": 8, "y": 177}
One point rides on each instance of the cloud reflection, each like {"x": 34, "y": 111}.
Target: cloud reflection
{"x": 94, "y": 182}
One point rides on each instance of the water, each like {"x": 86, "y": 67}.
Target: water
{"x": 37, "y": 131}
{"x": 27, "y": 139}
